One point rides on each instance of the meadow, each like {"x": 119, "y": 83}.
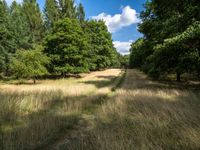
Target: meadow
{"x": 104, "y": 110}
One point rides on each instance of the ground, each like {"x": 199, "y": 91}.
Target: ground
{"x": 105, "y": 110}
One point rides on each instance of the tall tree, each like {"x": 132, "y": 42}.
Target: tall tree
{"x": 102, "y": 52}
{"x": 171, "y": 27}
{"x": 51, "y": 12}
{"x": 59, "y": 9}
{"x": 5, "y": 36}
{"x": 67, "y": 48}
{"x": 67, "y": 9}
{"x": 80, "y": 13}
{"x": 35, "y": 22}
{"x": 6, "y": 39}
{"x": 19, "y": 26}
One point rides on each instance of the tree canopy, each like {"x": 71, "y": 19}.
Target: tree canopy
{"x": 29, "y": 63}
{"x": 67, "y": 47}
{"x": 72, "y": 44}
{"x": 171, "y": 38}
{"x": 102, "y": 52}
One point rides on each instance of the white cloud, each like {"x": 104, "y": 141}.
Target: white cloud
{"x": 118, "y": 21}
{"x": 122, "y": 47}
{"x": 10, "y": 1}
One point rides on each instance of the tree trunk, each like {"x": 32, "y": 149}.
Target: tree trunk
{"x": 63, "y": 74}
{"x": 178, "y": 77}
{"x": 34, "y": 80}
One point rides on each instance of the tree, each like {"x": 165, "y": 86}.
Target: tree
{"x": 2, "y": 56}
{"x": 171, "y": 35}
{"x": 102, "y": 51}
{"x": 51, "y": 12}
{"x": 29, "y": 63}
{"x": 175, "y": 55}
{"x": 19, "y": 27}
{"x": 80, "y": 13}
{"x": 67, "y": 9}
{"x": 34, "y": 19}
{"x": 124, "y": 61}
{"x": 67, "y": 48}
{"x": 6, "y": 39}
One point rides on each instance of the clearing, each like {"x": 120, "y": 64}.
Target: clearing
{"x": 105, "y": 110}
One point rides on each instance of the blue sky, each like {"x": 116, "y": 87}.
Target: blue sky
{"x": 120, "y": 17}
{"x": 123, "y": 36}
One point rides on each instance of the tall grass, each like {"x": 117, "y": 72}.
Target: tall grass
{"x": 107, "y": 113}
{"x": 33, "y": 116}
{"x": 144, "y": 114}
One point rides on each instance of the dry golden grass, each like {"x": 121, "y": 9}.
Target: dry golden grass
{"x": 145, "y": 114}
{"x": 32, "y": 116}
{"x": 70, "y": 87}
{"x": 86, "y": 114}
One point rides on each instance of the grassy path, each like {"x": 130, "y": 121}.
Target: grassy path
{"x": 104, "y": 92}
{"x": 101, "y": 111}
{"x": 144, "y": 114}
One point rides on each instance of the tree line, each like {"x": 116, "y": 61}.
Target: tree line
{"x": 55, "y": 41}
{"x": 171, "y": 42}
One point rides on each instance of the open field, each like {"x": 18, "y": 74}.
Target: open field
{"x": 32, "y": 116}
{"x": 86, "y": 113}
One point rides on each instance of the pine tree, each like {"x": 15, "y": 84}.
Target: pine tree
{"x": 58, "y": 9}
{"x": 6, "y": 40}
{"x": 19, "y": 26}
{"x": 80, "y": 13}
{"x": 5, "y": 36}
{"x": 51, "y": 13}
{"x": 35, "y": 22}
{"x": 67, "y": 9}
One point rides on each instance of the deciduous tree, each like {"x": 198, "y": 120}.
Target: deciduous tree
{"x": 67, "y": 47}
{"x": 29, "y": 63}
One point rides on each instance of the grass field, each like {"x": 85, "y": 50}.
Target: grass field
{"x": 106, "y": 110}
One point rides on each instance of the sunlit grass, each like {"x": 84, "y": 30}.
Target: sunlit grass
{"x": 145, "y": 114}
{"x": 32, "y": 116}
{"x": 100, "y": 112}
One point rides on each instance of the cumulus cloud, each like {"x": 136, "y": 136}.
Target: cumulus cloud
{"x": 118, "y": 21}
{"x": 123, "y": 47}
{"x": 10, "y": 1}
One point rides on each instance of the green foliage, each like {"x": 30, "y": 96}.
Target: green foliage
{"x": 67, "y": 9}
{"x": 29, "y": 63}
{"x": 34, "y": 20}
{"x": 191, "y": 33}
{"x": 140, "y": 50}
{"x": 19, "y": 27}
{"x": 67, "y": 47}
{"x": 73, "y": 44}
{"x": 123, "y": 61}
{"x": 102, "y": 52}
{"x": 171, "y": 38}
{"x": 4, "y": 22}
{"x": 60, "y": 9}
{"x": 176, "y": 54}
{"x": 6, "y": 38}
{"x": 136, "y": 53}
{"x": 80, "y": 13}
{"x": 51, "y": 12}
